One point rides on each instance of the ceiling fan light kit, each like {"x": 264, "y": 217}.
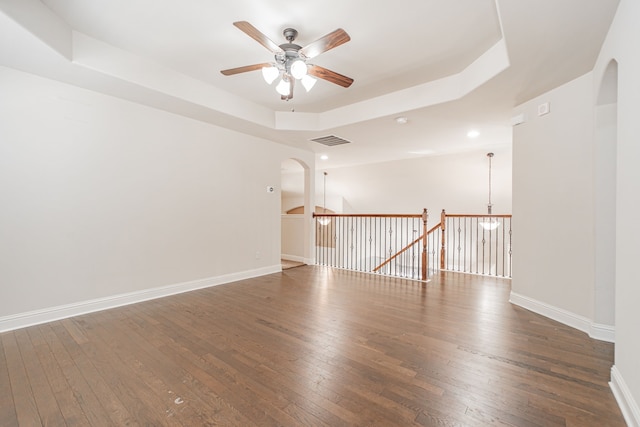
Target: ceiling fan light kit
{"x": 298, "y": 69}
{"x": 308, "y": 82}
{"x": 270, "y": 73}
{"x": 291, "y": 60}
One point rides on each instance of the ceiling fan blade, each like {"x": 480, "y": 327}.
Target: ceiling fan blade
{"x": 254, "y": 67}
{"x": 323, "y": 44}
{"x": 330, "y": 76}
{"x": 255, "y": 34}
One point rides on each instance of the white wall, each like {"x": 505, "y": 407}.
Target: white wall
{"x": 293, "y": 237}
{"x": 553, "y": 199}
{"x": 457, "y": 182}
{"x": 566, "y": 146}
{"x": 102, "y": 197}
{"x": 621, "y": 45}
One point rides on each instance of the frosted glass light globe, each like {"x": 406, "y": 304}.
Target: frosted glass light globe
{"x": 298, "y": 69}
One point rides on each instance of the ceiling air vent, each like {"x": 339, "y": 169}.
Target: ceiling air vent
{"x": 331, "y": 140}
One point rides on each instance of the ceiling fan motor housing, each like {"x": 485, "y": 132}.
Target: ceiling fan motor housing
{"x": 291, "y": 54}
{"x": 290, "y": 34}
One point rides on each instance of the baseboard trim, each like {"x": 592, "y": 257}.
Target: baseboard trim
{"x": 602, "y": 332}
{"x": 594, "y": 330}
{"x": 628, "y": 406}
{"x": 36, "y": 317}
{"x": 294, "y": 258}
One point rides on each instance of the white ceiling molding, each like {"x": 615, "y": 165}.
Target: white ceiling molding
{"x": 448, "y": 66}
{"x": 104, "y": 58}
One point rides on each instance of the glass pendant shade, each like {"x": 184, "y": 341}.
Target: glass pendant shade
{"x": 308, "y": 82}
{"x": 491, "y": 224}
{"x": 298, "y": 69}
{"x": 324, "y": 220}
{"x": 270, "y": 74}
{"x": 283, "y": 87}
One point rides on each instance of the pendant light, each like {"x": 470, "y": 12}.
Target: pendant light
{"x": 323, "y": 220}
{"x": 492, "y": 223}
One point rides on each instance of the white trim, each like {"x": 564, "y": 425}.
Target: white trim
{"x": 602, "y": 332}
{"x": 627, "y": 404}
{"x": 295, "y": 258}
{"x": 594, "y": 330}
{"x": 22, "y": 320}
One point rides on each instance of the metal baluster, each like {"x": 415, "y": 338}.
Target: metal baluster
{"x": 464, "y": 247}
{"x": 341, "y": 242}
{"x": 477, "y": 244}
{"x": 361, "y": 238}
{"x": 363, "y": 259}
{"x": 503, "y": 247}
{"x": 490, "y": 242}
{"x": 324, "y": 244}
{"x": 510, "y": 250}
{"x": 484, "y": 242}
{"x": 334, "y": 236}
{"x": 376, "y": 241}
{"x": 317, "y": 242}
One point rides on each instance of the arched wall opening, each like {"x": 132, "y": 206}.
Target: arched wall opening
{"x": 605, "y": 155}
{"x": 296, "y": 231}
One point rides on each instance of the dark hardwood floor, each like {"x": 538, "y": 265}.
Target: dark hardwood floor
{"x": 310, "y": 346}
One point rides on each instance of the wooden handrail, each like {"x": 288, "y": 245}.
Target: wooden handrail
{"x": 368, "y": 215}
{"x": 355, "y": 228}
{"x": 477, "y": 216}
{"x": 433, "y": 228}
{"x": 423, "y": 237}
{"x": 397, "y": 254}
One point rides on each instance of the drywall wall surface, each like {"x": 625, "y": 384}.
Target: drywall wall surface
{"x": 621, "y": 46}
{"x": 553, "y": 241}
{"x": 105, "y": 197}
{"x": 456, "y": 182}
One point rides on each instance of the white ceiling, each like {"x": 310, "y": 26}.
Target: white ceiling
{"x": 447, "y": 65}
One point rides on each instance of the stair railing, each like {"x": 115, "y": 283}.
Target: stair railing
{"x": 387, "y": 244}
{"x": 476, "y": 244}
{"x": 400, "y": 245}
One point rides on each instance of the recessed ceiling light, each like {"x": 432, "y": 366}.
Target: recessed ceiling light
{"x": 473, "y": 134}
{"x": 324, "y": 157}
{"x": 401, "y": 120}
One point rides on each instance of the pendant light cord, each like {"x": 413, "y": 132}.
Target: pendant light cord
{"x": 324, "y": 194}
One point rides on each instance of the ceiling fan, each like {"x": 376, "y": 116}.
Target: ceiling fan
{"x": 291, "y": 60}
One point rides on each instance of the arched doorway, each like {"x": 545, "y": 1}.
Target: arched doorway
{"x": 605, "y": 154}
{"x": 296, "y": 235}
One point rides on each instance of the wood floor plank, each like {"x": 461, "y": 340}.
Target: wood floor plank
{"x": 26, "y": 408}
{"x": 313, "y": 346}
{"x": 72, "y": 366}
{"x": 166, "y": 378}
{"x": 8, "y": 416}
{"x": 69, "y": 406}
{"x": 50, "y": 414}
{"x": 217, "y": 383}
{"x": 185, "y": 382}
{"x": 123, "y": 385}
